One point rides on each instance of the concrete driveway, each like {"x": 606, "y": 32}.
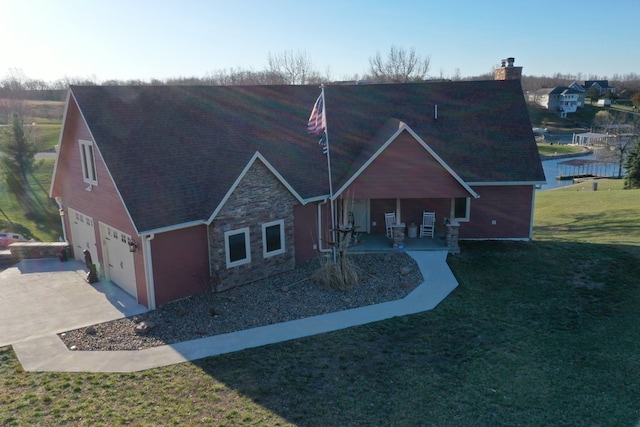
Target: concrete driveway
{"x": 45, "y": 296}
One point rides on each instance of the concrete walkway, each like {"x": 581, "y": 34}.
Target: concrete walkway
{"x": 48, "y": 353}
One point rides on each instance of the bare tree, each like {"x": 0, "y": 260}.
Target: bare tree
{"x": 14, "y": 81}
{"x": 239, "y": 76}
{"x": 399, "y": 66}
{"x": 12, "y": 92}
{"x": 66, "y": 81}
{"x": 292, "y": 67}
{"x": 622, "y": 130}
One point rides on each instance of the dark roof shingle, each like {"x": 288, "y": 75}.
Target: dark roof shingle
{"x": 174, "y": 151}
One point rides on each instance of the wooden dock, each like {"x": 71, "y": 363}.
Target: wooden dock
{"x": 585, "y": 168}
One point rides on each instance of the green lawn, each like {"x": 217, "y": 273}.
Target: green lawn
{"x": 37, "y": 215}
{"x": 609, "y": 215}
{"x": 537, "y": 334}
{"x": 547, "y": 149}
{"x": 47, "y": 136}
{"x": 541, "y": 117}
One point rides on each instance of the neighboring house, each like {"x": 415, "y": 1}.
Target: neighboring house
{"x": 602, "y": 86}
{"x": 171, "y": 188}
{"x": 560, "y": 99}
{"x": 581, "y": 91}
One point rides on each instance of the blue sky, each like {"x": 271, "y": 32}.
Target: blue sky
{"x": 143, "y": 39}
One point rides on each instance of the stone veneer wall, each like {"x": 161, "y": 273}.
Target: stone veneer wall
{"x": 37, "y": 250}
{"x": 259, "y": 198}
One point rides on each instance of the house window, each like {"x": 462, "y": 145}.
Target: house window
{"x": 461, "y": 208}
{"x": 273, "y": 238}
{"x": 237, "y": 248}
{"x": 88, "y": 162}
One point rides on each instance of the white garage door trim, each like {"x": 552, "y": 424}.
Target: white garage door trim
{"x": 118, "y": 261}
{"x": 83, "y": 236}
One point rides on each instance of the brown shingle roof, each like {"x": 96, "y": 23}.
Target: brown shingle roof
{"x": 174, "y": 151}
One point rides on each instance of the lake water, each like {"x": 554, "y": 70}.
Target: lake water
{"x": 551, "y": 170}
{"x": 551, "y": 166}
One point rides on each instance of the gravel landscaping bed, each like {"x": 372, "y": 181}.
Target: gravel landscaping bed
{"x": 289, "y": 296}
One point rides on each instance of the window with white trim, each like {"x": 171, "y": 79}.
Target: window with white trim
{"x": 273, "y": 238}
{"x": 237, "y": 247}
{"x": 88, "y": 160}
{"x": 461, "y": 208}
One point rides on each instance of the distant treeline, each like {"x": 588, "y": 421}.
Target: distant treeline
{"x": 20, "y": 87}
{"x": 35, "y": 95}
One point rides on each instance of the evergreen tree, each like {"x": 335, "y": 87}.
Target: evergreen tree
{"x": 17, "y": 156}
{"x": 632, "y": 164}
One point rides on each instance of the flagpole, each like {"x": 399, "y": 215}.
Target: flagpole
{"x": 331, "y": 202}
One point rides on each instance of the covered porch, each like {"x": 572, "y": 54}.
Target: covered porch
{"x": 380, "y": 243}
{"x": 362, "y": 223}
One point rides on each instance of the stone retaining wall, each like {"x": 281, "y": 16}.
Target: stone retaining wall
{"x": 35, "y": 250}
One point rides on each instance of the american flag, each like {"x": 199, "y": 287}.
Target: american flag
{"x": 317, "y": 123}
{"x": 323, "y": 143}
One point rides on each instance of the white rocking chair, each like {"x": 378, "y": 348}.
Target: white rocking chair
{"x": 389, "y": 221}
{"x": 427, "y": 228}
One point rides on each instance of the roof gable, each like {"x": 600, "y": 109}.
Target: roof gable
{"x": 577, "y": 87}
{"x": 600, "y": 84}
{"x": 256, "y": 157}
{"x": 174, "y": 152}
{"x": 560, "y": 90}
{"x": 482, "y": 129}
{"x": 65, "y": 113}
{"x": 438, "y": 166}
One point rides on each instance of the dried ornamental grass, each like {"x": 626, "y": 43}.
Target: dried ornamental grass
{"x": 341, "y": 275}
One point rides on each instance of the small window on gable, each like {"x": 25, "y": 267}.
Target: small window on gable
{"x": 461, "y": 208}
{"x": 237, "y": 248}
{"x": 88, "y": 160}
{"x": 273, "y": 238}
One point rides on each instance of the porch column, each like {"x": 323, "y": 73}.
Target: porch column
{"x": 398, "y": 212}
{"x": 452, "y": 236}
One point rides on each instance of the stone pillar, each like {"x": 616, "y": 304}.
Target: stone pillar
{"x": 452, "y": 236}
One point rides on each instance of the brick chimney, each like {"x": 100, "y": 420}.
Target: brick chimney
{"x": 507, "y": 71}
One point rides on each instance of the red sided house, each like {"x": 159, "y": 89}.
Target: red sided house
{"x": 174, "y": 189}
